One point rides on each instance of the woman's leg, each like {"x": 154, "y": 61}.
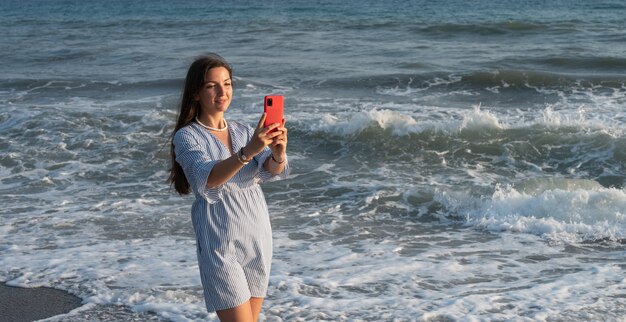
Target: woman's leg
{"x": 255, "y": 305}
{"x": 241, "y": 313}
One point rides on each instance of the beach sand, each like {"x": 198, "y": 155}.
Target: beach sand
{"x": 31, "y": 304}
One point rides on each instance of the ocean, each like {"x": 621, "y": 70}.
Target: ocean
{"x": 452, "y": 160}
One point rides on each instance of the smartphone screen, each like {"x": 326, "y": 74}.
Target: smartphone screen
{"x": 273, "y": 107}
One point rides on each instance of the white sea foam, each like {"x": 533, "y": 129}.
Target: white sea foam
{"x": 410, "y": 89}
{"x": 403, "y": 124}
{"x": 358, "y": 122}
{"x": 452, "y": 122}
{"x": 155, "y": 275}
{"x": 477, "y": 119}
{"x": 562, "y": 210}
{"x": 440, "y": 282}
{"x": 354, "y": 123}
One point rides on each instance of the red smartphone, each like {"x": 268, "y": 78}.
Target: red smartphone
{"x": 273, "y": 107}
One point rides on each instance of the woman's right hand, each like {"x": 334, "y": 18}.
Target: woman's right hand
{"x": 261, "y": 137}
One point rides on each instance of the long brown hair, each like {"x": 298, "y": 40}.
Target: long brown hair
{"x": 188, "y": 110}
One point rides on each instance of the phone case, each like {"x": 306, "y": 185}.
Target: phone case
{"x": 273, "y": 107}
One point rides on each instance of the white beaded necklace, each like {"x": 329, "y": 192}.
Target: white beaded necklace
{"x": 213, "y": 128}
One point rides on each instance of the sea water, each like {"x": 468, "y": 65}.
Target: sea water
{"x": 452, "y": 161}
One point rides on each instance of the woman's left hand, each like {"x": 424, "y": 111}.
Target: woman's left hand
{"x": 279, "y": 144}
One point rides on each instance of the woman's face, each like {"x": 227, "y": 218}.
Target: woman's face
{"x": 216, "y": 92}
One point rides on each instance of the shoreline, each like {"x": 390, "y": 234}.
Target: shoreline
{"x": 19, "y": 304}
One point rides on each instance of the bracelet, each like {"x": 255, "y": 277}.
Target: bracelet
{"x": 279, "y": 162}
{"x": 240, "y": 157}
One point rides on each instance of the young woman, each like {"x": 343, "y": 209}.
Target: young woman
{"x": 222, "y": 163}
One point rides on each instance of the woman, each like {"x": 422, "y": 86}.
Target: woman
{"x": 222, "y": 163}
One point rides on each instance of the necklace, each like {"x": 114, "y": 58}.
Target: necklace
{"x": 213, "y": 128}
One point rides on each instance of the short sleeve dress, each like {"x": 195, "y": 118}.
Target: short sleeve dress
{"x": 231, "y": 221}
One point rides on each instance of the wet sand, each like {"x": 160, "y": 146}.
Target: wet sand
{"x": 31, "y": 304}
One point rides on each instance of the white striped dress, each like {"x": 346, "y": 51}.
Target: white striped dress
{"x": 231, "y": 221}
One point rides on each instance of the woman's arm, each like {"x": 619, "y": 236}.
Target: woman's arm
{"x": 227, "y": 168}
{"x": 276, "y": 163}
{"x": 224, "y": 170}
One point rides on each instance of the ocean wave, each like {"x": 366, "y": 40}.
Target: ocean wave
{"x": 516, "y": 79}
{"x": 493, "y": 28}
{"x": 607, "y": 6}
{"x": 401, "y": 84}
{"x": 604, "y": 63}
{"x": 551, "y": 141}
{"x": 477, "y": 144}
{"x": 375, "y": 124}
{"x": 36, "y": 85}
{"x": 84, "y": 95}
{"x": 458, "y": 123}
{"x": 558, "y": 209}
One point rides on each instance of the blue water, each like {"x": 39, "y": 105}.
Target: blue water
{"x": 451, "y": 161}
